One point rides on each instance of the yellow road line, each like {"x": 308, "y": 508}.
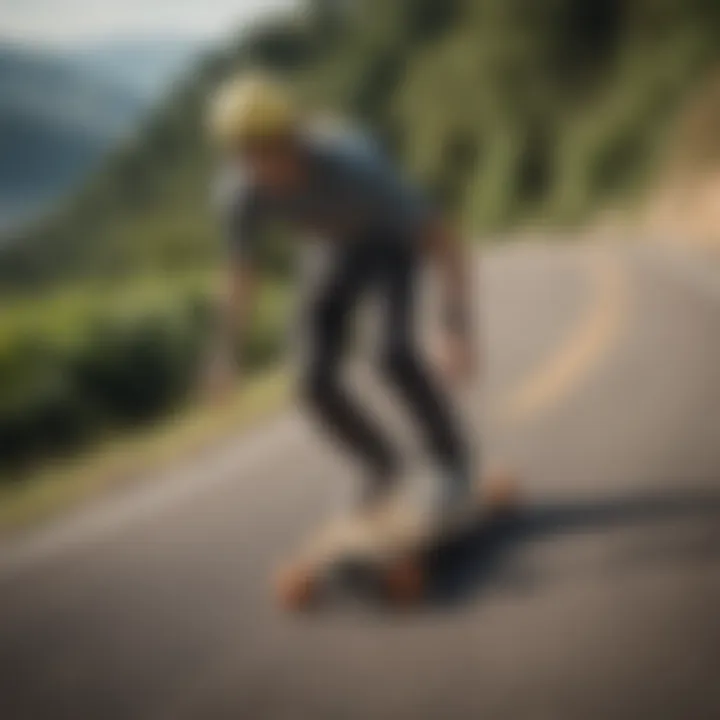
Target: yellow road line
{"x": 569, "y": 365}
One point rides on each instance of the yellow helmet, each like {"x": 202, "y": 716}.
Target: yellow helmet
{"x": 249, "y": 108}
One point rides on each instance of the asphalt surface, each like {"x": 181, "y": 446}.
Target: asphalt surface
{"x": 601, "y": 600}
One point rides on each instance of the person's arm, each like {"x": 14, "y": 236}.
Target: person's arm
{"x": 458, "y": 352}
{"x": 239, "y": 214}
{"x": 235, "y": 307}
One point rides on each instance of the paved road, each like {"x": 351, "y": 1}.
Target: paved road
{"x": 600, "y": 601}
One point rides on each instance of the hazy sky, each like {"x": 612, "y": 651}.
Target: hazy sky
{"x": 63, "y": 21}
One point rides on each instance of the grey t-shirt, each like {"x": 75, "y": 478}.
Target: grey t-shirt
{"x": 352, "y": 192}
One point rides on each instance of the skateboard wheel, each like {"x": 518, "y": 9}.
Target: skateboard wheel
{"x": 296, "y": 588}
{"x": 405, "y": 582}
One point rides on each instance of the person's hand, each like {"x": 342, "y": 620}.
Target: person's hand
{"x": 456, "y": 358}
{"x": 219, "y": 378}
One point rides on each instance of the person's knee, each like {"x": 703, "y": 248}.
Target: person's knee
{"x": 398, "y": 363}
{"x": 313, "y": 386}
{"x": 318, "y": 384}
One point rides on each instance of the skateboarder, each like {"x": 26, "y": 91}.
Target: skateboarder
{"x": 379, "y": 231}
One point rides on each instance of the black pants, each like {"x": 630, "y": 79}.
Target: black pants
{"x": 389, "y": 267}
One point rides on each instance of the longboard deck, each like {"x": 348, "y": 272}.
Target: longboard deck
{"x": 389, "y": 540}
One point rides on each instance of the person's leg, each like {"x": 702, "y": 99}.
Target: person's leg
{"x": 330, "y": 321}
{"x": 405, "y": 366}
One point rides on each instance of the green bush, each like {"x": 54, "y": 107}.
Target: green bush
{"x": 73, "y": 368}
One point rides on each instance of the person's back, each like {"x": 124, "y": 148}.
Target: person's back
{"x": 350, "y": 191}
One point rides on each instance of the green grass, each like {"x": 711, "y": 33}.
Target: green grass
{"x": 62, "y": 486}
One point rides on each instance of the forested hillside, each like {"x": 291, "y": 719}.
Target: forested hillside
{"x": 508, "y": 109}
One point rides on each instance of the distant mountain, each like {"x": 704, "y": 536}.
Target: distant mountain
{"x": 40, "y": 159}
{"x": 61, "y": 111}
{"x": 51, "y": 87}
{"x": 56, "y": 121}
{"x": 147, "y": 66}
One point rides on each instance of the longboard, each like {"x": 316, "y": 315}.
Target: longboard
{"x": 387, "y": 543}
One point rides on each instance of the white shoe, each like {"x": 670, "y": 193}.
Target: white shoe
{"x": 444, "y": 497}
